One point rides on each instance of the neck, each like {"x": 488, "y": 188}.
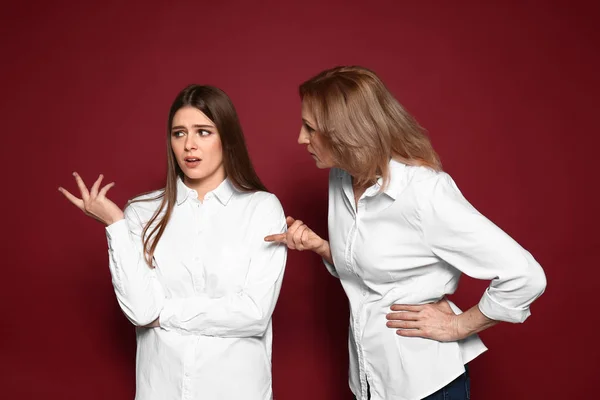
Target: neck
{"x": 364, "y": 186}
{"x": 205, "y": 185}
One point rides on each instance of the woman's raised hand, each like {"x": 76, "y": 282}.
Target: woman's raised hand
{"x": 94, "y": 202}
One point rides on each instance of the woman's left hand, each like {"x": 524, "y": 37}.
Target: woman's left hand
{"x": 434, "y": 321}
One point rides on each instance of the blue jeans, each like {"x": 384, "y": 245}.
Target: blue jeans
{"x": 458, "y": 389}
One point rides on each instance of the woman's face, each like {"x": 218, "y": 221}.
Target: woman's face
{"x": 316, "y": 144}
{"x": 197, "y": 146}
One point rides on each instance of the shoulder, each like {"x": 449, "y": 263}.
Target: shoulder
{"x": 267, "y": 200}
{"x": 439, "y": 197}
{"x": 433, "y": 189}
{"x": 412, "y": 177}
{"x": 428, "y": 181}
{"x": 263, "y": 207}
{"x": 145, "y": 205}
{"x": 260, "y": 201}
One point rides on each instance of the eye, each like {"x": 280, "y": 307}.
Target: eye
{"x": 178, "y": 133}
{"x": 308, "y": 127}
{"x": 204, "y": 132}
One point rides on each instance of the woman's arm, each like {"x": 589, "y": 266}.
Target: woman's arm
{"x": 458, "y": 234}
{"x": 138, "y": 292}
{"x": 437, "y": 321}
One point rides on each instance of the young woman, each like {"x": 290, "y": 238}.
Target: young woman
{"x": 189, "y": 265}
{"x": 400, "y": 235}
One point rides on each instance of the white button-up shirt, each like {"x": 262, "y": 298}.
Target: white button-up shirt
{"x": 214, "y": 287}
{"x": 409, "y": 245}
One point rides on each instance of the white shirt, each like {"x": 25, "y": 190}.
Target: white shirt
{"x": 214, "y": 287}
{"x": 409, "y": 245}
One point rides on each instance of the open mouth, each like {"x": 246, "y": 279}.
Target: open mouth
{"x": 192, "y": 161}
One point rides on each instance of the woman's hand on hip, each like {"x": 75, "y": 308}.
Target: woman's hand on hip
{"x": 94, "y": 202}
{"x": 434, "y": 321}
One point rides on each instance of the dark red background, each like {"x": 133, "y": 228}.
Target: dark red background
{"x": 508, "y": 91}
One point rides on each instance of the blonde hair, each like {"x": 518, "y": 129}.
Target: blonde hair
{"x": 364, "y": 125}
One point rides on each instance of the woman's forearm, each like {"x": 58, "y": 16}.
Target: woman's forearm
{"x": 473, "y": 321}
{"x": 325, "y": 251}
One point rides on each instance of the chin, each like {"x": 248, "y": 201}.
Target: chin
{"x": 197, "y": 177}
{"x": 194, "y": 175}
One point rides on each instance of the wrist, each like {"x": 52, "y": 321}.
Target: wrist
{"x": 460, "y": 328}
{"x": 471, "y": 322}
{"x": 115, "y": 218}
{"x": 323, "y": 249}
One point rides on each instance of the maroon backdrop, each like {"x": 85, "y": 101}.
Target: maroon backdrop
{"x": 506, "y": 89}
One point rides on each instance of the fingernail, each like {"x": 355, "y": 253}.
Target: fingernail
{"x": 59, "y": 189}
{"x": 74, "y": 173}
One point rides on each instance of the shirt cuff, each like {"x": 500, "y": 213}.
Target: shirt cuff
{"x": 168, "y": 319}
{"x": 498, "y": 312}
{"x": 331, "y": 268}
{"x": 117, "y": 232}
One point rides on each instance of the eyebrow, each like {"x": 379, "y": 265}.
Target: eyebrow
{"x": 193, "y": 126}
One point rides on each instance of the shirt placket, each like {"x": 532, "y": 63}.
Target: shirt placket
{"x": 199, "y": 216}
{"x": 188, "y": 364}
{"x": 357, "y": 328}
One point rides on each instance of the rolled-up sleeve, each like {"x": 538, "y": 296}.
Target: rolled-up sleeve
{"x": 461, "y": 236}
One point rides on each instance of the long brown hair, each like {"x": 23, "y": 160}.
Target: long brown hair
{"x": 364, "y": 125}
{"x": 217, "y": 106}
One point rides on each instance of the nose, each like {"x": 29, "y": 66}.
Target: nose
{"x": 190, "y": 143}
{"x": 303, "y": 138}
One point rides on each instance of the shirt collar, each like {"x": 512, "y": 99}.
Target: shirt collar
{"x": 392, "y": 190}
{"x": 223, "y": 192}
{"x": 395, "y": 173}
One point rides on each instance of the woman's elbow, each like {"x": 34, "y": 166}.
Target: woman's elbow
{"x": 138, "y": 314}
{"x": 258, "y": 328}
{"x": 531, "y": 280}
{"x": 537, "y": 281}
